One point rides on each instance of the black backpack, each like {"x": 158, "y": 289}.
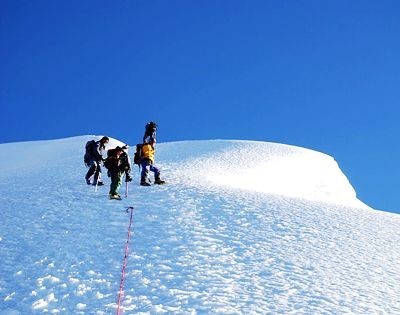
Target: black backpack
{"x": 88, "y": 151}
{"x": 138, "y": 154}
{"x": 151, "y": 127}
{"x": 107, "y": 163}
{"x": 150, "y": 131}
{"x": 111, "y": 161}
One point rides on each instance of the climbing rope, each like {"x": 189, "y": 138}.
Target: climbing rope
{"x": 121, "y": 284}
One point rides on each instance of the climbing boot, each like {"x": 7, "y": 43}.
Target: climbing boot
{"x": 158, "y": 180}
{"x": 143, "y": 182}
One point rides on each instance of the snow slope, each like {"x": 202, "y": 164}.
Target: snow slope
{"x": 241, "y": 228}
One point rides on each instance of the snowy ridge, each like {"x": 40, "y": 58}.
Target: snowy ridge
{"x": 269, "y": 167}
{"x": 200, "y": 244}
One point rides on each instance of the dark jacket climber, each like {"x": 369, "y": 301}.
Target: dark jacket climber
{"x": 93, "y": 158}
{"x": 115, "y": 171}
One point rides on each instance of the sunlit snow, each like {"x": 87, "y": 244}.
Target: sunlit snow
{"x": 241, "y": 227}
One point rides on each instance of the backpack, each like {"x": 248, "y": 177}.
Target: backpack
{"x": 88, "y": 151}
{"x": 150, "y": 131}
{"x": 107, "y": 163}
{"x": 138, "y": 154}
{"x": 111, "y": 160}
{"x": 151, "y": 127}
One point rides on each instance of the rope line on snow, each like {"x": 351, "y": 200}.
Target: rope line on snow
{"x": 121, "y": 284}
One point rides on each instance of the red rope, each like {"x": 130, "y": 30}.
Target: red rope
{"x": 121, "y": 284}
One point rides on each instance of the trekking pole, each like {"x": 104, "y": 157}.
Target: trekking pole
{"x": 97, "y": 182}
{"x": 126, "y": 186}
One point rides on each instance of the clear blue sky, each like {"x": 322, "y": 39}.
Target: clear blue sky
{"x": 319, "y": 74}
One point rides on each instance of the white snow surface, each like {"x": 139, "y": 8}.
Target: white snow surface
{"x": 241, "y": 227}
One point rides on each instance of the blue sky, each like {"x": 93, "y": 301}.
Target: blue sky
{"x": 317, "y": 74}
